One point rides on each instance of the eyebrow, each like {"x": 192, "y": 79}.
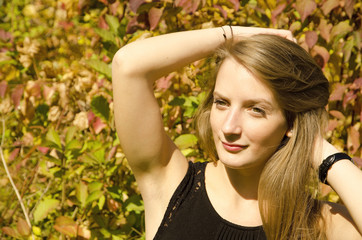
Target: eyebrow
{"x": 249, "y": 101}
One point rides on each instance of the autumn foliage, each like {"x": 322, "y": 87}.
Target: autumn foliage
{"x": 57, "y": 130}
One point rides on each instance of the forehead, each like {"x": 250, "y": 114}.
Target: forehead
{"x": 235, "y": 81}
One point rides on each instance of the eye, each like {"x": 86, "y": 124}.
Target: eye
{"x": 220, "y": 103}
{"x": 258, "y": 111}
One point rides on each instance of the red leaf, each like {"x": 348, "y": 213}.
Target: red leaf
{"x": 353, "y": 141}
{"x": 165, "y": 82}
{"x": 325, "y": 29}
{"x": 17, "y": 94}
{"x": 154, "y": 16}
{"x": 357, "y": 84}
{"x": 3, "y": 87}
{"x": 305, "y": 8}
{"x": 66, "y": 25}
{"x": 188, "y": 5}
{"x": 135, "y": 4}
{"x": 332, "y": 124}
{"x": 223, "y": 12}
{"x": 23, "y": 227}
{"x": 236, "y": 4}
{"x": 278, "y": 10}
{"x": 98, "y": 125}
{"x": 348, "y": 97}
{"x": 33, "y": 88}
{"x": 311, "y": 38}
{"x": 338, "y": 92}
{"x": 357, "y": 161}
{"x": 43, "y": 150}
{"x": 66, "y": 225}
{"x": 337, "y": 114}
{"x": 11, "y": 232}
{"x": 112, "y": 152}
{"x": 348, "y": 6}
{"x": 329, "y": 6}
{"x": 5, "y": 36}
{"x": 102, "y": 23}
{"x": 91, "y": 116}
{"x": 14, "y": 154}
{"x": 113, "y": 8}
{"x": 321, "y": 51}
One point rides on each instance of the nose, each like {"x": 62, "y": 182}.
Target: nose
{"x": 232, "y": 123}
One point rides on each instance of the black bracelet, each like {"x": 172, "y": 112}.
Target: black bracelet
{"x": 327, "y": 164}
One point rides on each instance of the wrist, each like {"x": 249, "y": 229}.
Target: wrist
{"x": 327, "y": 164}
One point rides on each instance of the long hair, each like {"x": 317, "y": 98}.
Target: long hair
{"x": 287, "y": 208}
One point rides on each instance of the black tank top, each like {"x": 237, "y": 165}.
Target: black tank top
{"x": 190, "y": 214}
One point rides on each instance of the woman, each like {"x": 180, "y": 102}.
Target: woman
{"x": 260, "y": 124}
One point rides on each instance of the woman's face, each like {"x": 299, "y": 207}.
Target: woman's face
{"x": 247, "y": 123}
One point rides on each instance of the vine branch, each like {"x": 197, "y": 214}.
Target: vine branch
{"x": 11, "y": 179}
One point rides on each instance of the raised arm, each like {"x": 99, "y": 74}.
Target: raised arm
{"x": 137, "y": 65}
{"x": 156, "y": 162}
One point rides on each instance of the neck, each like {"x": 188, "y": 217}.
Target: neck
{"x": 244, "y": 182}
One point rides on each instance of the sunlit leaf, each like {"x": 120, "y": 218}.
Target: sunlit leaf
{"x": 53, "y": 139}
{"x": 82, "y": 193}
{"x": 113, "y": 23}
{"x": 341, "y": 29}
{"x": 44, "y": 207}
{"x": 135, "y": 4}
{"x": 134, "y": 203}
{"x": 66, "y": 225}
{"x": 305, "y": 8}
{"x": 101, "y": 67}
{"x": 106, "y": 35}
{"x": 185, "y": 141}
{"x": 17, "y": 94}
{"x": 3, "y": 87}
{"x": 70, "y": 134}
{"x": 353, "y": 141}
{"x": 93, "y": 196}
{"x": 154, "y": 16}
{"x": 329, "y": 5}
{"x": 23, "y": 227}
{"x": 11, "y": 232}
{"x": 311, "y": 38}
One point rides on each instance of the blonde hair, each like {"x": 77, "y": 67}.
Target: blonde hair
{"x": 287, "y": 208}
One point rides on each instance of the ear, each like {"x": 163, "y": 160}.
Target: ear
{"x": 289, "y": 133}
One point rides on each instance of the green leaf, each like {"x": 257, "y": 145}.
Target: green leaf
{"x": 82, "y": 193}
{"x": 95, "y": 186}
{"x": 106, "y": 35}
{"x": 93, "y": 197}
{"x": 113, "y": 23}
{"x": 100, "y": 107}
{"x": 177, "y": 101}
{"x": 43, "y": 209}
{"x": 53, "y": 139}
{"x": 74, "y": 144}
{"x": 101, "y": 202}
{"x": 341, "y": 29}
{"x": 134, "y": 203}
{"x": 70, "y": 134}
{"x": 101, "y": 67}
{"x": 186, "y": 141}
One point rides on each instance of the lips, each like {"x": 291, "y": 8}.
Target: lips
{"x": 233, "y": 147}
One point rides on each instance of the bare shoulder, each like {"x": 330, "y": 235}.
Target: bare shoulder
{"x": 339, "y": 223}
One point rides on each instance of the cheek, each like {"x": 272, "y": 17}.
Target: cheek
{"x": 266, "y": 134}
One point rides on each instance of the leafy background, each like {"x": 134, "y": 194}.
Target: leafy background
{"x": 57, "y": 132}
